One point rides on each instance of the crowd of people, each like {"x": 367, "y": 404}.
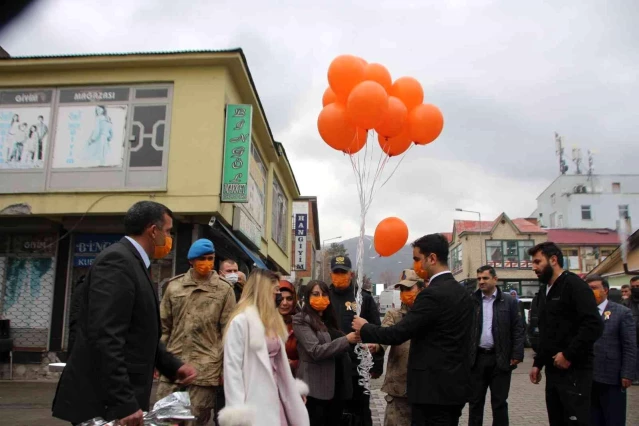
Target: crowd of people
{"x": 252, "y": 351}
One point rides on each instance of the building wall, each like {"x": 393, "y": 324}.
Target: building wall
{"x": 195, "y": 145}
{"x": 604, "y": 203}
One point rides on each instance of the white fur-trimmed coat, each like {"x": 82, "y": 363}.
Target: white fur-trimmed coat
{"x": 249, "y": 388}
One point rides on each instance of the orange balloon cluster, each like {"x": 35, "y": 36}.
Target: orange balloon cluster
{"x": 390, "y": 236}
{"x": 363, "y": 97}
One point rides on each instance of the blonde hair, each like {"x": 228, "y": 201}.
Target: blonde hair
{"x": 258, "y": 292}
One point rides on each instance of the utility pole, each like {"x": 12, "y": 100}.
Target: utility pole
{"x": 577, "y": 159}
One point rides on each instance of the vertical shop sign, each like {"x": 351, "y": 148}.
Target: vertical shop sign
{"x": 301, "y": 228}
{"x": 237, "y": 152}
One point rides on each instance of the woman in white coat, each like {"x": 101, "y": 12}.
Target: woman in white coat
{"x": 258, "y": 384}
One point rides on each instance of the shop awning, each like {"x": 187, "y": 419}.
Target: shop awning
{"x": 250, "y": 253}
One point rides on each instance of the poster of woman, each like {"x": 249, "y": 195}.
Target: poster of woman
{"x": 24, "y": 135}
{"x": 90, "y": 136}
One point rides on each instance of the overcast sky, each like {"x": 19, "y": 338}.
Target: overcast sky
{"x": 505, "y": 74}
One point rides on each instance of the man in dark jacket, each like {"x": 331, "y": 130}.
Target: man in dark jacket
{"x": 439, "y": 328}
{"x": 497, "y": 348}
{"x": 569, "y": 326}
{"x": 633, "y": 305}
{"x": 343, "y": 300}
{"x": 110, "y": 371}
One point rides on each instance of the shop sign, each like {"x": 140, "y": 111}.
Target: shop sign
{"x": 93, "y": 243}
{"x": 108, "y": 94}
{"x": 237, "y": 153}
{"x": 301, "y": 230}
{"x": 25, "y": 97}
{"x": 34, "y": 244}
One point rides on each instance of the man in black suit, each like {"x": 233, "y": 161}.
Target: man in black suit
{"x": 615, "y": 354}
{"x": 569, "y": 326}
{"x": 439, "y": 327}
{"x": 109, "y": 373}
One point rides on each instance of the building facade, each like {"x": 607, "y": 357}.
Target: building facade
{"x": 588, "y": 201}
{"x": 82, "y": 138}
{"x": 502, "y": 244}
{"x": 306, "y": 241}
{"x": 612, "y": 268}
{"x": 584, "y": 249}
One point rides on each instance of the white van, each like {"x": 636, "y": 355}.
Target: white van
{"x": 389, "y": 299}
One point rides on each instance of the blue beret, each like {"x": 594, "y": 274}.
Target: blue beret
{"x": 200, "y": 248}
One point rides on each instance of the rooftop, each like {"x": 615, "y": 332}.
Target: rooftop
{"x": 523, "y": 225}
{"x": 603, "y": 236}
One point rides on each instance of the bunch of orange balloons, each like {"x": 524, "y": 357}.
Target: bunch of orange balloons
{"x": 362, "y": 96}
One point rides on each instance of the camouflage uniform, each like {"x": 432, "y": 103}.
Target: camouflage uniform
{"x": 398, "y": 412}
{"x": 194, "y": 315}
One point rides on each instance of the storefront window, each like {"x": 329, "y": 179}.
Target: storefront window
{"x": 27, "y": 275}
{"x": 511, "y": 254}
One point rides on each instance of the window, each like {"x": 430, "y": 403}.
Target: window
{"x": 553, "y": 220}
{"x": 85, "y": 138}
{"x": 509, "y": 253}
{"x": 616, "y": 187}
{"x": 280, "y": 226}
{"x": 529, "y": 288}
{"x": 571, "y": 259}
{"x": 552, "y": 199}
{"x": 586, "y": 213}
{"x": 456, "y": 264}
{"x": 257, "y": 185}
{"x": 623, "y": 211}
{"x": 560, "y": 221}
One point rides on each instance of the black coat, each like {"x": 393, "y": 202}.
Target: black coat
{"x": 508, "y": 329}
{"x": 109, "y": 373}
{"x": 74, "y": 311}
{"x": 344, "y": 303}
{"x": 439, "y": 328}
{"x": 569, "y": 322}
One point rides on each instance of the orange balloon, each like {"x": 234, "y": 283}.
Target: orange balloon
{"x": 378, "y": 73}
{"x": 394, "y": 120}
{"x": 334, "y": 127}
{"x": 425, "y": 123}
{"x": 409, "y": 91}
{"x": 329, "y": 97}
{"x": 344, "y": 73}
{"x": 395, "y": 146}
{"x": 367, "y": 104}
{"x": 390, "y": 236}
{"x": 359, "y": 140}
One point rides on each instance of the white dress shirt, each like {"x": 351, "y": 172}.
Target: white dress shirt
{"x": 145, "y": 257}
{"x": 486, "y": 341}
{"x": 602, "y": 306}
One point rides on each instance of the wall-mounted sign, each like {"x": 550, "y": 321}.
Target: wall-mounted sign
{"x": 87, "y": 246}
{"x": 108, "y": 94}
{"x": 237, "y": 153}
{"x": 25, "y": 97}
{"x": 301, "y": 230}
{"x": 24, "y": 137}
{"x": 243, "y": 223}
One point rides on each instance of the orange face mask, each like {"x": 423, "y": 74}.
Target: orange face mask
{"x": 161, "y": 251}
{"x": 408, "y": 297}
{"x": 203, "y": 267}
{"x": 421, "y": 273}
{"x": 341, "y": 281}
{"x": 319, "y": 303}
{"x": 599, "y": 296}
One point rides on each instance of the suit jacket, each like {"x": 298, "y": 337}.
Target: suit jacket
{"x": 74, "y": 311}
{"x": 438, "y": 326}
{"x": 317, "y": 353}
{"x": 109, "y": 374}
{"x": 616, "y": 349}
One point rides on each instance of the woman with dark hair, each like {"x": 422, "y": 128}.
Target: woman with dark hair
{"x": 288, "y": 308}
{"x": 323, "y": 352}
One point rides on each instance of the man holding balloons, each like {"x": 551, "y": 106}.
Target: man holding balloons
{"x": 438, "y": 326}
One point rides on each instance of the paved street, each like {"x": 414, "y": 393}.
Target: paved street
{"x": 28, "y": 403}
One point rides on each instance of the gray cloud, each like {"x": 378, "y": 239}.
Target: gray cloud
{"x": 505, "y": 74}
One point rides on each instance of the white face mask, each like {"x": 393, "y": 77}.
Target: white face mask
{"x": 232, "y": 277}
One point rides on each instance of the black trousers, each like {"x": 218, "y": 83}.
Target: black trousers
{"x": 324, "y": 412}
{"x": 608, "y": 405}
{"x": 485, "y": 374}
{"x": 359, "y": 405}
{"x": 220, "y": 402}
{"x": 436, "y": 415}
{"x": 568, "y": 396}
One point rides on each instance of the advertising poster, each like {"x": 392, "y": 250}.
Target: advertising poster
{"x": 90, "y": 136}
{"x": 24, "y": 137}
{"x": 237, "y": 152}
